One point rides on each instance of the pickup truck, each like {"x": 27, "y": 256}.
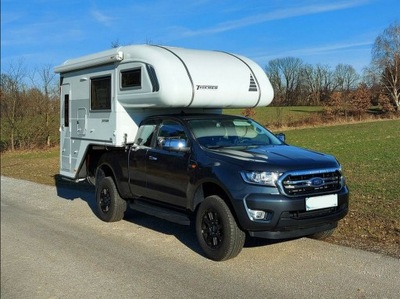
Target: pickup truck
{"x": 227, "y": 175}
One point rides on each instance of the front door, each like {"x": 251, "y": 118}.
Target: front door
{"x": 168, "y": 169}
{"x": 155, "y": 171}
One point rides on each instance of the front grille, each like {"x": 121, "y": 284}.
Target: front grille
{"x": 311, "y": 182}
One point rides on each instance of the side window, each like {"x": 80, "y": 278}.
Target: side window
{"x": 170, "y": 130}
{"x": 100, "y": 93}
{"x": 145, "y": 134}
{"x": 66, "y": 110}
{"x": 131, "y": 79}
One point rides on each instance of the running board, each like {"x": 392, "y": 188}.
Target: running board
{"x": 160, "y": 212}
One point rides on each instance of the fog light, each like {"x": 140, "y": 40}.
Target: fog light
{"x": 256, "y": 214}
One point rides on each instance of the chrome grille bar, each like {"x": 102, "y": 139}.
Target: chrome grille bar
{"x": 310, "y": 182}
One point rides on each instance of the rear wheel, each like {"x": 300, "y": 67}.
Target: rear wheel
{"x": 217, "y": 231}
{"x": 110, "y": 206}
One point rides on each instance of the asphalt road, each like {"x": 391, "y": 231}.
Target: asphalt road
{"x": 53, "y": 246}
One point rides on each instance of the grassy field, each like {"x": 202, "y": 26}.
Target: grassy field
{"x": 368, "y": 152}
{"x": 37, "y": 166}
{"x": 278, "y": 116}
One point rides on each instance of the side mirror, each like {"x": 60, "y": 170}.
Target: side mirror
{"x": 281, "y": 137}
{"x": 176, "y": 144}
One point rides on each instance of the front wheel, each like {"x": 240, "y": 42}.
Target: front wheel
{"x": 217, "y": 231}
{"x": 110, "y": 206}
{"x": 322, "y": 235}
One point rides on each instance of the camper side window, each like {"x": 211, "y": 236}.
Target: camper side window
{"x": 131, "y": 79}
{"x": 100, "y": 96}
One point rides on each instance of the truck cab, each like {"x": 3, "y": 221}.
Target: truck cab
{"x": 230, "y": 176}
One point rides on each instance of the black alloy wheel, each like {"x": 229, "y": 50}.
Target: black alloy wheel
{"x": 110, "y": 206}
{"x": 217, "y": 231}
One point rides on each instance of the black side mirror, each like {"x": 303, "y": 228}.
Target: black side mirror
{"x": 281, "y": 137}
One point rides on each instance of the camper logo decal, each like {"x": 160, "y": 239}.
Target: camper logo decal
{"x": 253, "y": 85}
{"x": 206, "y": 87}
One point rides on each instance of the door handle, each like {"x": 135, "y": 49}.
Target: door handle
{"x": 152, "y": 158}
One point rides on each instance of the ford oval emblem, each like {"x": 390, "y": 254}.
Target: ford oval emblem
{"x": 317, "y": 182}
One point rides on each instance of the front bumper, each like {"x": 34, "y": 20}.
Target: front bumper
{"x": 287, "y": 217}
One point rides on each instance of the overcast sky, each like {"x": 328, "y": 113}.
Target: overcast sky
{"x": 48, "y": 32}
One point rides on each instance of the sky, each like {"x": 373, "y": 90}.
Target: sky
{"x": 39, "y": 33}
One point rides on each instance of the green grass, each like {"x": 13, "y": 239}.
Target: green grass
{"x": 282, "y": 115}
{"x": 369, "y": 153}
{"x": 39, "y": 166}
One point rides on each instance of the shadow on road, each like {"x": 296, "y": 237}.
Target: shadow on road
{"x": 184, "y": 233}
{"x": 71, "y": 190}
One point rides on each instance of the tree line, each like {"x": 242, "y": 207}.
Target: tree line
{"x": 342, "y": 88}
{"x": 29, "y": 108}
{"x": 30, "y": 101}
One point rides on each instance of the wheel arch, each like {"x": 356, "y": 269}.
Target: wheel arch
{"x": 104, "y": 170}
{"x": 90, "y": 161}
{"x": 209, "y": 188}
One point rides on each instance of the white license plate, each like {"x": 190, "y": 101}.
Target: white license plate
{"x": 321, "y": 202}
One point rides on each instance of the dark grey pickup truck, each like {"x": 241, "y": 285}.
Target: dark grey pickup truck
{"x": 227, "y": 175}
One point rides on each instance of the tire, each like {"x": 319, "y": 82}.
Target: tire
{"x": 217, "y": 231}
{"x": 322, "y": 235}
{"x": 110, "y": 206}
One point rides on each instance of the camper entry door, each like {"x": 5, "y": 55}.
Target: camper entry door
{"x": 65, "y": 129}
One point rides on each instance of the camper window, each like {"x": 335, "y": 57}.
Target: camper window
{"x": 131, "y": 78}
{"x": 100, "y": 97}
{"x": 66, "y": 110}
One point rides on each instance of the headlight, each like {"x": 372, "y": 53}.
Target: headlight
{"x": 260, "y": 177}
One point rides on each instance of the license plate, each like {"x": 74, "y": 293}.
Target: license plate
{"x": 321, "y": 202}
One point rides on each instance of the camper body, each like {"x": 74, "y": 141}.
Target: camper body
{"x": 104, "y": 96}
{"x": 144, "y": 124}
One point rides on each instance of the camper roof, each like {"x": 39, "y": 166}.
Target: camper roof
{"x": 186, "y": 77}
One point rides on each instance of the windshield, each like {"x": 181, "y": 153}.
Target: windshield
{"x": 228, "y": 132}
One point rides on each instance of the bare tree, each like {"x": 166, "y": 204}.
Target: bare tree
{"x": 372, "y": 79}
{"x": 311, "y": 83}
{"x": 328, "y": 82}
{"x": 29, "y": 112}
{"x": 11, "y": 101}
{"x": 386, "y": 61}
{"x": 275, "y": 76}
{"x": 346, "y": 77}
{"x": 45, "y": 81}
{"x": 318, "y": 82}
{"x": 285, "y": 74}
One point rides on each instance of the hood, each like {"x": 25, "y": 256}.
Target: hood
{"x": 277, "y": 158}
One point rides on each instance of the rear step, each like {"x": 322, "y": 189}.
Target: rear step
{"x": 160, "y": 212}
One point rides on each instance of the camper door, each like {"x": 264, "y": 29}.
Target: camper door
{"x": 65, "y": 130}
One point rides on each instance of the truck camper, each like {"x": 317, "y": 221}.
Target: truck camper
{"x": 105, "y": 96}
{"x": 144, "y": 124}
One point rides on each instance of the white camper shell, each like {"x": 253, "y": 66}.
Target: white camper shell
{"x": 104, "y": 96}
